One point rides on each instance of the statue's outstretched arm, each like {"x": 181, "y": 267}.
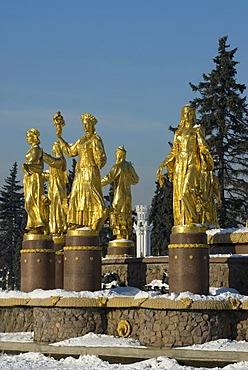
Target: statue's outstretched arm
{"x": 52, "y": 161}
{"x": 109, "y": 178}
{"x": 70, "y": 150}
{"x": 168, "y": 162}
{"x": 159, "y": 174}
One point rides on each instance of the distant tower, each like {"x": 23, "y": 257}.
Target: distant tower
{"x": 143, "y": 231}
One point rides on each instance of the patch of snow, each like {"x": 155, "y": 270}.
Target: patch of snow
{"x": 227, "y": 231}
{"x": 84, "y": 228}
{"x": 221, "y": 345}
{"x": 227, "y": 255}
{"x": 121, "y": 241}
{"x": 40, "y": 293}
{"x": 217, "y": 294}
{"x": 142, "y": 295}
{"x": 99, "y": 340}
{"x": 37, "y": 361}
{"x": 17, "y": 337}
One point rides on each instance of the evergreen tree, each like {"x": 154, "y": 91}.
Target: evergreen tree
{"x": 223, "y": 113}
{"x": 12, "y": 226}
{"x": 161, "y": 216}
{"x": 106, "y": 233}
{"x": 71, "y": 175}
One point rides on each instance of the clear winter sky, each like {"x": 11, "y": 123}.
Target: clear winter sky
{"x": 128, "y": 62}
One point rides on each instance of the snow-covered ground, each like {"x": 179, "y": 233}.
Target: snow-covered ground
{"x": 37, "y": 361}
{"x": 29, "y": 361}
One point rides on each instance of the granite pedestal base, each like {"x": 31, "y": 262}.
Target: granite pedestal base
{"x": 82, "y": 261}
{"x": 37, "y": 263}
{"x": 59, "y": 243}
{"x": 188, "y": 260}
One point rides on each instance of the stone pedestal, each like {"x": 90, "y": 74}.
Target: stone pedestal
{"x": 121, "y": 248}
{"x": 188, "y": 260}
{"x": 59, "y": 243}
{"x": 37, "y": 262}
{"x": 82, "y": 260}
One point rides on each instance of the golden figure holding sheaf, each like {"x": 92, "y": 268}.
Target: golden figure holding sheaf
{"x": 123, "y": 175}
{"x": 36, "y": 203}
{"x": 86, "y": 204}
{"x": 57, "y": 190}
{"x": 189, "y": 166}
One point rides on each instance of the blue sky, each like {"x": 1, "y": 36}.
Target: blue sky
{"x": 128, "y": 62}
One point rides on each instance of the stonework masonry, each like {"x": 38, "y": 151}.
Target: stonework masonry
{"x": 56, "y": 324}
{"x": 16, "y": 319}
{"x": 156, "y": 322}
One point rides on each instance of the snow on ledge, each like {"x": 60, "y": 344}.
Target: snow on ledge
{"x": 216, "y": 294}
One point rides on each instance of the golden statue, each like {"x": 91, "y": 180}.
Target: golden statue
{"x": 57, "y": 190}
{"x": 189, "y": 165}
{"x": 123, "y": 175}
{"x": 36, "y": 203}
{"x": 86, "y": 204}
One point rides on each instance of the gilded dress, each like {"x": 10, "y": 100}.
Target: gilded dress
{"x": 86, "y": 204}
{"x": 57, "y": 193}
{"x": 35, "y": 201}
{"x": 186, "y": 162}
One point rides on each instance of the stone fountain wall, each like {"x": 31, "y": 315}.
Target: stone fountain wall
{"x": 158, "y": 322}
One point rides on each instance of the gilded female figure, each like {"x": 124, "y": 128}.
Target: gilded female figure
{"x": 36, "y": 203}
{"x": 186, "y": 162}
{"x": 86, "y": 205}
{"x": 57, "y": 190}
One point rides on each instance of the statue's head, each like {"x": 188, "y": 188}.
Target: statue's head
{"x": 120, "y": 153}
{"x": 56, "y": 149}
{"x": 188, "y": 115}
{"x": 32, "y": 136}
{"x": 89, "y": 118}
{"x": 88, "y": 122}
